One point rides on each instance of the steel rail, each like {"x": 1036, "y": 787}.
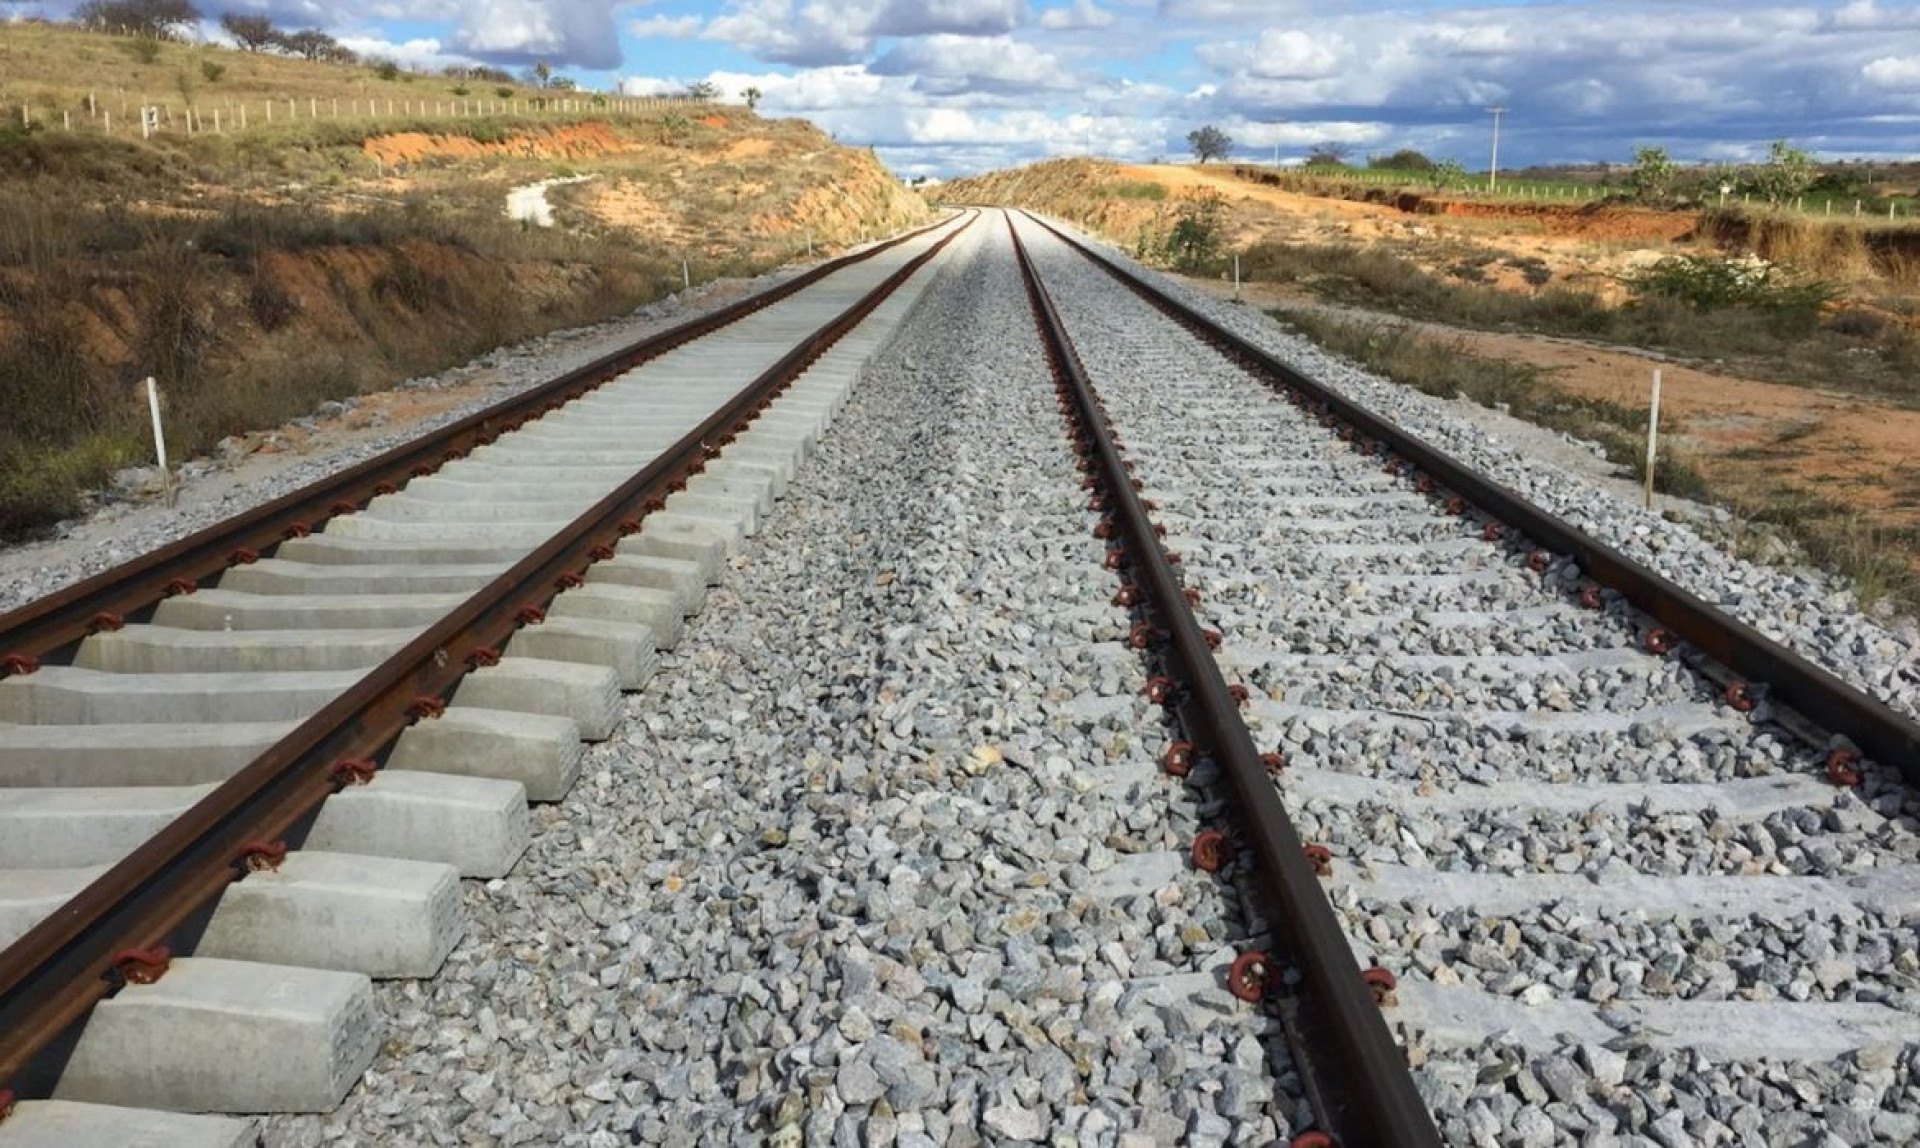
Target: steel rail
{"x": 53, "y": 974}
{"x": 51, "y": 627}
{"x": 1812, "y": 690}
{"x": 1357, "y": 1077}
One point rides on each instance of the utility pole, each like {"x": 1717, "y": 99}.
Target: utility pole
{"x": 1493, "y": 169}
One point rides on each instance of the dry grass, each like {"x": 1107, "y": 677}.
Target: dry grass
{"x": 1880, "y": 562}
{"x": 1847, "y": 349}
{"x": 54, "y": 68}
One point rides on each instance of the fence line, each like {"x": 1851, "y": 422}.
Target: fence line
{"x": 1890, "y": 211}
{"x": 149, "y": 117}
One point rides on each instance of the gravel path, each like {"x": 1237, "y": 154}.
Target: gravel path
{"x": 1588, "y": 954}
{"x": 883, "y": 854}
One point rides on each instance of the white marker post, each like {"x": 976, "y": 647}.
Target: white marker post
{"x": 1236, "y": 277}
{"x": 159, "y": 439}
{"x": 686, "y": 277}
{"x": 1653, "y": 434}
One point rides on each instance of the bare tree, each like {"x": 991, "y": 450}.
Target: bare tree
{"x": 1209, "y": 142}
{"x": 1329, "y": 154}
{"x": 254, "y": 33}
{"x": 703, "y": 90}
{"x": 160, "y": 19}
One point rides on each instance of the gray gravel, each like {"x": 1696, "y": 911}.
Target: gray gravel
{"x": 1390, "y": 641}
{"x": 883, "y": 855}
{"x": 1812, "y": 612}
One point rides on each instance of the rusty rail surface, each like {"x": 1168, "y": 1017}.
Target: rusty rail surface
{"x": 1811, "y": 690}
{"x": 1356, "y": 1076}
{"x": 53, "y": 974}
{"x": 49, "y": 628}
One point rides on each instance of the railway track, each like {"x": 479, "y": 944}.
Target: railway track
{"x": 1497, "y": 836}
{"x": 280, "y": 743}
{"x": 1607, "y": 890}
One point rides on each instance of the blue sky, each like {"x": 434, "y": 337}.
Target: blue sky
{"x": 948, "y": 86}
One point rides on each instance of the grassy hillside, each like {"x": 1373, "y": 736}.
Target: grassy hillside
{"x": 259, "y": 274}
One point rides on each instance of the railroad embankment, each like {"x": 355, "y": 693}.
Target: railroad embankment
{"x": 260, "y": 273}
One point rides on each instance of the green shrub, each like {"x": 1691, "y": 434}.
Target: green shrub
{"x": 1712, "y": 283}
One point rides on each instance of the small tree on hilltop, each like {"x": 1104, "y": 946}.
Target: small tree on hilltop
{"x": 309, "y": 43}
{"x": 542, "y": 72}
{"x": 703, "y": 90}
{"x": 752, "y": 96}
{"x": 253, "y": 33}
{"x": 1209, "y": 142}
{"x": 159, "y": 19}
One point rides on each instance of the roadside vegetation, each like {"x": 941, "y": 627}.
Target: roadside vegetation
{"x": 1879, "y": 561}
{"x": 1744, "y": 314}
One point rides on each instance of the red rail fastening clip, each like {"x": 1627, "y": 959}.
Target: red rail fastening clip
{"x": 569, "y": 581}
{"x": 1274, "y": 762}
{"x": 1089, "y": 483}
{"x": 420, "y": 470}
{"x": 1491, "y": 532}
{"x": 106, "y": 621}
{"x": 1249, "y": 976}
{"x": 631, "y": 525}
{"x": 1423, "y": 484}
{"x": 380, "y": 488}
{"x": 1240, "y": 694}
{"x": 180, "y": 586}
{"x": 342, "y": 506}
{"x": 259, "y": 856}
{"x": 1840, "y": 767}
{"x": 1321, "y": 858}
{"x": 1128, "y": 595}
{"x": 698, "y": 465}
{"x": 352, "y": 771}
{"x": 426, "y": 706}
{"x": 453, "y": 456}
{"x": 1213, "y": 638}
{"x": 1159, "y": 690}
{"x": 677, "y": 485}
{"x": 1097, "y": 504}
{"x": 1538, "y": 561}
{"x": 1212, "y": 851}
{"x": 1346, "y": 433}
{"x": 1382, "y": 983}
{"x": 486, "y": 438}
{"x": 1150, "y": 504}
{"x": 6, "y": 1103}
{"x": 1141, "y": 636}
{"x": 600, "y": 553}
{"x": 530, "y": 615}
{"x": 1103, "y": 529}
{"x": 482, "y": 656}
{"x": 1590, "y": 597}
{"x": 1659, "y": 641}
{"x": 1178, "y": 759}
{"x": 1116, "y": 558}
{"x": 1191, "y": 595}
{"x": 1740, "y": 697}
{"x": 1313, "y": 1139}
{"x": 1172, "y": 557}
{"x": 296, "y": 530}
{"x": 142, "y": 966}
{"x": 1159, "y": 531}
{"x": 18, "y": 665}
{"x": 1456, "y": 506}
